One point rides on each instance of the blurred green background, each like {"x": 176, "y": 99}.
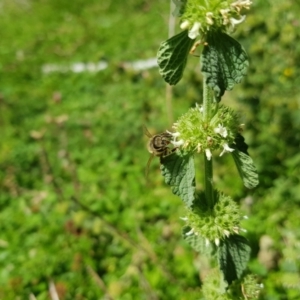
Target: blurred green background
{"x": 77, "y": 214}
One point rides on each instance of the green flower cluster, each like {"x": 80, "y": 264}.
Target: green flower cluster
{"x": 214, "y": 224}
{"x": 246, "y": 288}
{"x": 214, "y": 286}
{"x": 200, "y": 16}
{"x": 194, "y": 134}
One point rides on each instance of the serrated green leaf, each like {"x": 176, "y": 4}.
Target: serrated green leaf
{"x": 234, "y": 253}
{"x": 172, "y": 57}
{"x": 179, "y": 172}
{"x": 246, "y": 168}
{"x": 224, "y": 62}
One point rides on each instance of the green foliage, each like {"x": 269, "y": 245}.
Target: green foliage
{"x": 179, "y": 172}
{"x": 224, "y": 62}
{"x": 172, "y": 57}
{"x": 234, "y": 253}
{"x": 66, "y": 135}
{"x": 246, "y": 168}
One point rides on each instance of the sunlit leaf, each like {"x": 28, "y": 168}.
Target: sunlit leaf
{"x": 179, "y": 172}
{"x": 224, "y": 62}
{"x": 246, "y": 168}
{"x": 234, "y": 253}
{"x": 172, "y": 57}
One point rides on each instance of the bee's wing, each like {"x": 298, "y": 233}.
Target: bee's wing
{"x": 148, "y": 165}
{"x": 146, "y": 132}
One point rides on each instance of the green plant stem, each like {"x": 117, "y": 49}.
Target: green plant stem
{"x": 208, "y": 164}
{"x": 208, "y": 177}
{"x": 207, "y": 101}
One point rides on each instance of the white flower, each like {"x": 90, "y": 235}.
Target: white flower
{"x": 209, "y": 18}
{"x": 200, "y": 107}
{"x": 175, "y": 134}
{"x": 208, "y": 154}
{"x": 190, "y": 232}
{"x": 224, "y": 13}
{"x": 236, "y": 229}
{"x": 194, "y": 31}
{"x": 226, "y": 148}
{"x": 239, "y": 4}
{"x": 221, "y": 130}
{"x": 184, "y": 25}
{"x": 217, "y": 242}
{"x": 178, "y": 143}
{"x": 226, "y": 232}
{"x": 234, "y": 21}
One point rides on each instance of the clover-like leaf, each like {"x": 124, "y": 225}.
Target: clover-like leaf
{"x": 172, "y": 57}
{"x": 179, "y": 172}
{"x": 234, "y": 253}
{"x": 224, "y": 62}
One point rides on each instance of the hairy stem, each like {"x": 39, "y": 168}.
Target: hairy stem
{"x": 208, "y": 178}
{"x": 208, "y": 163}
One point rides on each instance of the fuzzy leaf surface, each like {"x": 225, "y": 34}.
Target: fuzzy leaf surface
{"x": 172, "y": 57}
{"x": 234, "y": 253}
{"x": 179, "y": 172}
{"x": 246, "y": 168}
{"x": 224, "y": 62}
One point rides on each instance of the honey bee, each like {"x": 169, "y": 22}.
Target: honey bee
{"x": 158, "y": 145}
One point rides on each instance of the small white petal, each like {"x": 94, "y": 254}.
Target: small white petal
{"x": 221, "y": 130}
{"x": 224, "y": 12}
{"x": 245, "y": 217}
{"x": 209, "y": 18}
{"x": 241, "y": 3}
{"x": 217, "y": 242}
{"x": 234, "y": 21}
{"x": 183, "y": 218}
{"x": 194, "y": 31}
{"x": 226, "y": 148}
{"x": 208, "y": 154}
{"x": 190, "y": 232}
{"x": 206, "y": 242}
{"x": 184, "y": 25}
{"x": 177, "y": 143}
{"x": 175, "y": 134}
{"x": 236, "y": 230}
{"x": 200, "y": 107}
{"x": 226, "y": 232}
